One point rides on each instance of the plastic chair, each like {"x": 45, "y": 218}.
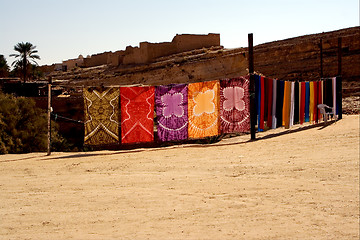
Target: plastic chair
{"x": 322, "y": 108}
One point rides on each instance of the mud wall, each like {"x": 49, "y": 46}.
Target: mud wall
{"x": 97, "y": 59}
{"x": 299, "y": 58}
{"x": 187, "y": 42}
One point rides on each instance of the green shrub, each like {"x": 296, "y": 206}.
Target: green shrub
{"x": 23, "y": 126}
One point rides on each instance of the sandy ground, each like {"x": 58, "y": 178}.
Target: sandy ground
{"x": 298, "y": 184}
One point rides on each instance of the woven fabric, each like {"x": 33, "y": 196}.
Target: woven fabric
{"x": 171, "y": 102}
{"x": 307, "y": 101}
{"x": 203, "y": 109}
{"x": 137, "y": 114}
{"x": 292, "y": 103}
{"x": 311, "y": 102}
{"x": 328, "y": 93}
{"x": 279, "y": 102}
{"x": 319, "y": 95}
{"x": 235, "y": 105}
{"x": 302, "y": 102}
{"x": 315, "y": 97}
{"x": 262, "y": 102}
{"x": 274, "y": 99}
{"x": 258, "y": 99}
{"x": 269, "y": 101}
{"x": 334, "y": 94}
{"x": 286, "y": 105}
{"x": 338, "y": 95}
{"x": 296, "y": 103}
{"x": 101, "y": 112}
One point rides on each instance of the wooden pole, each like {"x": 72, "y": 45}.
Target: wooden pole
{"x": 49, "y": 119}
{"x": 339, "y": 78}
{"x": 321, "y": 59}
{"x": 252, "y": 87}
{"x": 339, "y": 56}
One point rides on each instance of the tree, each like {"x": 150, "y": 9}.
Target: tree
{"x": 35, "y": 72}
{"x": 26, "y": 52}
{"x": 4, "y": 68}
{"x": 22, "y": 125}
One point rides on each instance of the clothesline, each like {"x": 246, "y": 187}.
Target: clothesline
{"x": 144, "y": 85}
{"x": 56, "y": 116}
{"x": 122, "y": 85}
{"x": 183, "y": 111}
{"x": 285, "y": 103}
{"x": 202, "y": 109}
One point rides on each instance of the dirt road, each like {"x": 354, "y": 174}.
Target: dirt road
{"x": 302, "y": 184}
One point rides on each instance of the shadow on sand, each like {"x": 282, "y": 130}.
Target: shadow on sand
{"x": 195, "y": 145}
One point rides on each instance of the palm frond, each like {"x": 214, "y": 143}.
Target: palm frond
{"x": 17, "y": 63}
{"x": 34, "y": 63}
{"x": 14, "y": 55}
{"x": 34, "y": 56}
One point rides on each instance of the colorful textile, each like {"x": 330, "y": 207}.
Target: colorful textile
{"x": 257, "y": 98}
{"x": 101, "y": 108}
{"x": 274, "y": 99}
{"x": 258, "y": 102}
{"x": 296, "y": 103}
{"x": 292, "y": 104}
{"x": 266, "y": 98}
{"x": 328, "y": 99}
{"x": 319, "y": 99}
{"x": 322, "y": 92}
{"x": 334, "y": 94}
{"x": 315, "y": 100}
{"x": 311, "y": 100}
{"x": 235, "y": 105}
{"x": 302, "y": 102}
{"x": 338, "y": 96}
{"x": 279, "y": 102}
{"x": 203, "y": 109}
{"x": 262, "y": 103}
{"x": 286, "y": 105}
{"x": 269, "y": 101}
{"x": 307, "y": 101}
{"x": 171, "y": 102}
{"x": 137, "y": 114}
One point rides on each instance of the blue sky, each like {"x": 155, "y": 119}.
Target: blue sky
{"x": 63, "y": 29}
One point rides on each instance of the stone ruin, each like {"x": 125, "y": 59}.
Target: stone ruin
{"x": 146, "y": 52}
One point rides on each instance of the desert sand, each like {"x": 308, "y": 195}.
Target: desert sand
{"x": 301, "y": 183}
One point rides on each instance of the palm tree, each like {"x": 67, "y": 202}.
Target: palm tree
{"x": 26, "y": 52}
{"x": 4, "y": 68}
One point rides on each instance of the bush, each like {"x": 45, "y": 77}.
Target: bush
{"x": 23, "y": 126}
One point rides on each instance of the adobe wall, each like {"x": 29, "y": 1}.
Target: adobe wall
{"x": 155, "y": 50}
{"x": 73, "y": 63}
{"x": 97, "y": 59}
{"x": 148, "y": 52}
{"x": 47, "y": 68}
{"x": 299, "y": 58}
{"x": 135, "y": 55}
{"x": 187, "y": 42}
{"x": 203, "y": 67}
{"x": 115, "y": 58}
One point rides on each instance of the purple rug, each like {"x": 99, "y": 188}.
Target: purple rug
{"x": 171, "y": 112}
{"x": 234, "y": 105}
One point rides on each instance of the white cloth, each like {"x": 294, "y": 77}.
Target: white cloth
{"x": 273, "y": 112}
{"x": 292, "y": 104}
